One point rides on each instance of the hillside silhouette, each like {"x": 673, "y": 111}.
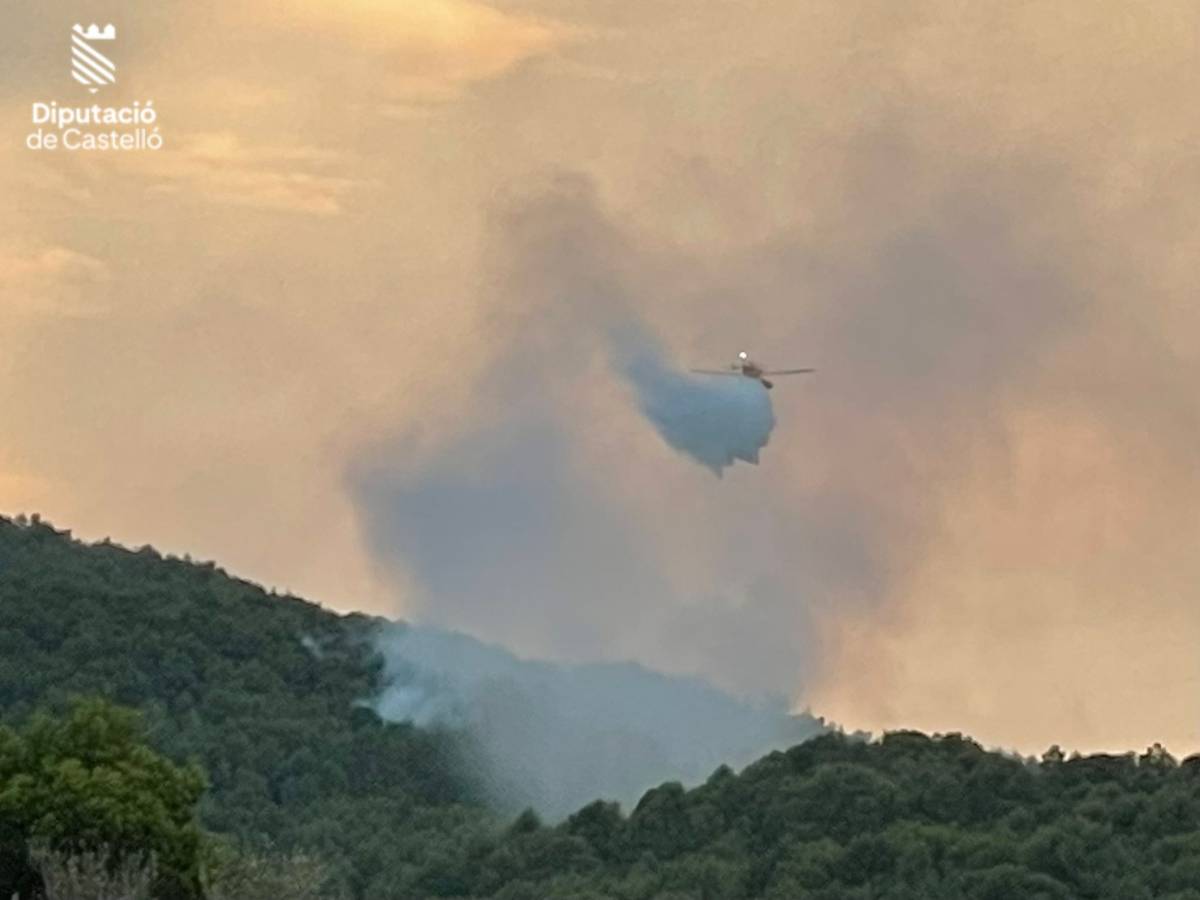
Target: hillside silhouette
{"x": 265, "y": 694}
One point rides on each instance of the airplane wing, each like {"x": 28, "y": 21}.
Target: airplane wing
{"x": 715, "y": 372}
{"x": 788, "y": 371}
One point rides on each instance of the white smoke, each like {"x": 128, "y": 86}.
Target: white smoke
{"x": 555, "y": 737}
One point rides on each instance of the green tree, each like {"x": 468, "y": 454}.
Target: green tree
{"x": 87, "y": 783}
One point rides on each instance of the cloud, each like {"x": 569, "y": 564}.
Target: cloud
{"x": 419, "y": 53}
{"x": 51, "y": 280}
{"x": 221, "y": 168}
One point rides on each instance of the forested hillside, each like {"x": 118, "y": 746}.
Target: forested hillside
{"x": 262, "y": 691}
{"x": 264, "y": 694}
{"x": 907, "y": 818}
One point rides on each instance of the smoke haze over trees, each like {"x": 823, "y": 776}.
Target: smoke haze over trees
{"x": 553, "y": 737}
{"x": 265, "y": 693}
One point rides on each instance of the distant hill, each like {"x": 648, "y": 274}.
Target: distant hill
{"x": 285, "y": 706}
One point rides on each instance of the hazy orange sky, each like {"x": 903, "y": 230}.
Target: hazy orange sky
{"x": 978, "y": 220}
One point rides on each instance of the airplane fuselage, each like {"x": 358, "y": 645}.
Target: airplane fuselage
{"x": 752, "y": 370}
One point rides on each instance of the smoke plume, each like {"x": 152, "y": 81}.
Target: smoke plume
{"x": 958, "y": 391}
{"x": 522, "y": 525}
{"x": 555, "y": 737}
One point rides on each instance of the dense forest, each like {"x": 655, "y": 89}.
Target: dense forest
{"x": 262, "y": 692}
{"x": 251, "y": 756}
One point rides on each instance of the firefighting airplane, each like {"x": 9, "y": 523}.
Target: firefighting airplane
{"x": 748, "y": 368}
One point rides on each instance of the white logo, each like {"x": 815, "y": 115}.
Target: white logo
{"x": 98, "y": 127}
{"x": 88, "y": 65}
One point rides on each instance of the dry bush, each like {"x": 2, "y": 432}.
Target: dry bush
{"x": 251, "y": 876}
{"x": 93, "y": 875}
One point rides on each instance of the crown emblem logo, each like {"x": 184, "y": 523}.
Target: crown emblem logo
{"x": 89, "y": 66}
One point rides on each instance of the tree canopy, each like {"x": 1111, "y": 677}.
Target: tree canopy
{"x": 88, "y": 784}
{"x": 263, "y": 694}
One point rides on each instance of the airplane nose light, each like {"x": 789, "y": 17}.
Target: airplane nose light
{"x": 742, "y": 355}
